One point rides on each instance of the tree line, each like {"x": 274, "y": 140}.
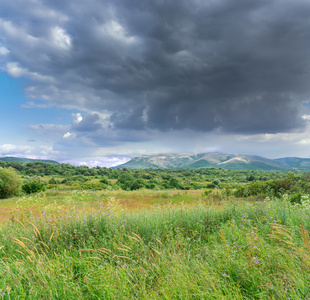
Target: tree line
{"x": 37, "y": 176}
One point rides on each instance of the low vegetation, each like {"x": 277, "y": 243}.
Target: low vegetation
{"x": 233, "y": 250}
{"x": 242, "y": 235}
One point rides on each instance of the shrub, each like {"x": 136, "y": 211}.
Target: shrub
{"x": 9, "y": 183}
{"x": 52, "y": 181}
{"x": 208, "y": 192}
{"x": 33, "y": 186}
{"x": 92, "y": 185}
{"x": 104, "y": 180}
{"x": 295, "y": 198}
{"x": 210, "y": 186}
{"x": 79, "y": 178}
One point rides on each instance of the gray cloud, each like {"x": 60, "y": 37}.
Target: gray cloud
{"x": 89, "y": 123}
{"x": 239, "y": 66}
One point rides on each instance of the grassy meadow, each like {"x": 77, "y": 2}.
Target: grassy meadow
{"x": 153, "y": 245}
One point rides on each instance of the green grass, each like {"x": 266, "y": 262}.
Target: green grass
{"x": 212, "y": 250}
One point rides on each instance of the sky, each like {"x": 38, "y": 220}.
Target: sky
{"x": 97, "y": 82}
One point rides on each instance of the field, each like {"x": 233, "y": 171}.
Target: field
{"x": 55, "y": 201}
{"x": 173, "y": 244}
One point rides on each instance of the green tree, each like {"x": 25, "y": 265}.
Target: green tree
{"x": 125, "y": 181}
{"x": 174, "y": 183}
{"x": 138, "y": 184}
{"x": 9, "y": 183}
{"x": 33, "y": 186}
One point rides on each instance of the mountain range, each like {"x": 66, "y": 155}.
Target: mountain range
{"x": 203, "y": 160}
{"x": 216, "y": 160}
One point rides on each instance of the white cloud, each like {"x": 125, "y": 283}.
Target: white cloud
{"x": 304, "y": 142}
{"x": 4, "y": 51}
{"x": 69, "y": 135}
{"x": 32, "y": 104}
{"x": 60, "y": 38}
{"x": 99, "y": 161}
{"x": 113, "y": 29}
{"x": 267, "y": 137}
{"x": 47, "y": 151}
{"x": 41, "y": 152}
{"x": 10, "y": 29}
{"x": 77, "y": 118}
{"x": 7, "y": 149}
{"x": 13, "y": 69}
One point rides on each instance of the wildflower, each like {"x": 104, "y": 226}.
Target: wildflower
{"x": 255, "y": 260}
{"x": 225, "y": 275}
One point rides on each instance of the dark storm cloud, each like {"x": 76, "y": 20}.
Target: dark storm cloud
{"x": 240, "y": 66}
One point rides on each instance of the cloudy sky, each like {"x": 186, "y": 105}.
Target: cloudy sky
{"x": 100, "y": 81}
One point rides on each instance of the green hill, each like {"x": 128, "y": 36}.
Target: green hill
{"x": 296, "y": 162}
{"x": 26, "y": 160}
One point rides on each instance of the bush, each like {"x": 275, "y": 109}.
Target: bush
{"x": 9, "y": 183}
{"x": 52, "y": 181}
{"x": 104, "y": 180}
{"x": 208, "y": 192}
{"x": 92, "y": 185}
{"x": 210, "y": 186}
{"x": 295, "y": 198}
{"x": 79, "y": 178}
{"x": 33, "y": 186}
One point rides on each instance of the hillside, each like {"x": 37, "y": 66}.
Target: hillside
{"x": 26, "y": 160}
{"x": 296, "y": 162}
{"x": 215, "y": 160}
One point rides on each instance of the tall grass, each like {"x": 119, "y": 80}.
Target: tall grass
{"x": 230, "y": 251}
